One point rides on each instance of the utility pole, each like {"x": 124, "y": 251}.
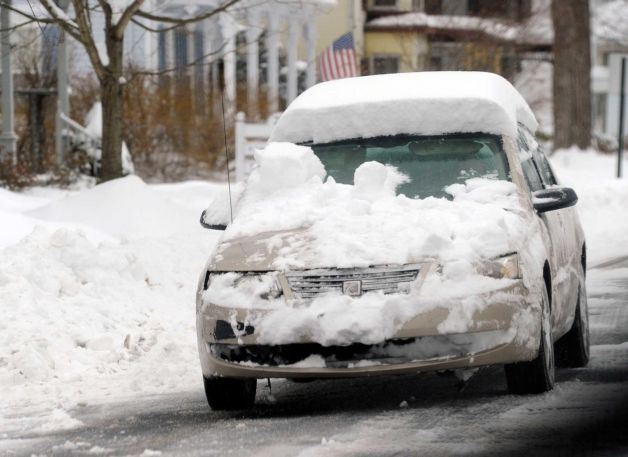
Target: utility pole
{"x": 63, "y": 99}
{"x": 8, "y": 137}
{"x": 622, "y": 109}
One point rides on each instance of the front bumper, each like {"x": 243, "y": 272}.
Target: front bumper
{"x": 503, "y": 331}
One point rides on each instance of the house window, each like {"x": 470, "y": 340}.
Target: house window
{"x": 436, "y": 63}
{"x": 448, "y": 7}
{"x": 385, "y": 3}
{"x": 180, "y": 49}
{"x": 599, "y": 112}
{"x": 199, "y": 51}
{"x": 473, "y": 6}
{"x": 507, "y": 9}
{"x": 434, "y": 6}
{"x": 455, "y": 7}
{"x": 446, "y": 56}
{"x": 510, "y": 65}
{"x": 162, "y": 46}
{"x": 384, "y": 64}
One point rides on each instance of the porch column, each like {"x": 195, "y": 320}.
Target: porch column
{"x": 253, "y": 33}
{"x": 273, "y": 61}
{"x": 293, "y": 42}
{"x": 310, "y": 40}
{"x": 229, "y": 70}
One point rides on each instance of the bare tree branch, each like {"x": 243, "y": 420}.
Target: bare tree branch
{"x": 106, "y": 8}
{"x": 179, "y": 22}
{"x": 67, "y": 26}
{"x": 189, "y": 64}
{"x": 87, "y": 37}
{"x": 15, "y": 27}
{"x": 126, "y": 17}
{"x": 153, "y": 29}
{"x": 30, "y": 16}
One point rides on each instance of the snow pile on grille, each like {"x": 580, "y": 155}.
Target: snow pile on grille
{"x": 425, "y": 103}
{"x": 338, "y": 225}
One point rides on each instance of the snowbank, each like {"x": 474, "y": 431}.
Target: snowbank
{"x": 609, "y": 23}
{"x": 124, "y": 207}
{"x": 423, "y": 103}
{"x": 602, "y": 200}
{"x": 105, "y": 315}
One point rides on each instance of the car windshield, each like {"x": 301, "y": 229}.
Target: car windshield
{"x": 431, "y": 162}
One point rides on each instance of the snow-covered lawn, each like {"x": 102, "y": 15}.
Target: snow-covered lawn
{"x": 97, "y": 286}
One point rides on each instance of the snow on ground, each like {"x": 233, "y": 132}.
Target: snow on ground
{"x": 97, "y": 292}
{"x": 603, "y": 200}
{"x": 97, "y": 298}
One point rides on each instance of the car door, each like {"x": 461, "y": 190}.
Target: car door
{"x": 555, "y": 228}
{"x": 571, "y": 242}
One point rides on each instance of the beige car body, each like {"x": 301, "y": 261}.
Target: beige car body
{"x": 499, "y": 316}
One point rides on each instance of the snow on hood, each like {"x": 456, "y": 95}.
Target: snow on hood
{"x": 424, "y": 103}
{"x": 289, "y": 217}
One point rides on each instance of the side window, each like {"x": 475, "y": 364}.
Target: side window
{"x": 531, "y": 174}
{"x": 547, "y": 175}
{"x": 527, "y": 164}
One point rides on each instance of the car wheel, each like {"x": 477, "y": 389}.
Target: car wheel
{"x": 572, "y": 350}
{"x": 230, "y": 393}
{"x": 535, "y": 376}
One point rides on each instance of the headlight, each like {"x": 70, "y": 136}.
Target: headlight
{"x": 262, "y": 285}
{"x": 503, "y": 267}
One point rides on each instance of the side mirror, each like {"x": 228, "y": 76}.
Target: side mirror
{"x": 207, "y": 225}
{"x": 553, "y": 199}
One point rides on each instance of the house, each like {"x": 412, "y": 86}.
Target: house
{"x": 416, "y": 35}
{"x": 271, "y": 44}
{"x": 609, "y": 45}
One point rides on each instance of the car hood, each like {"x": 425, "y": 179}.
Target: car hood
{"x": 307, "y": 248}
{"x": 305, "y": 222}
{"x": 266, "y": 252}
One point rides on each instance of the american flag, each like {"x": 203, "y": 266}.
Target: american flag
{"x": 338, "y": 60}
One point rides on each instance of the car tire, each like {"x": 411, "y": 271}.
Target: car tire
{"x": 572, "y": 350}
{"x": 230, "y": 393}
{"x": 535, "y": 376}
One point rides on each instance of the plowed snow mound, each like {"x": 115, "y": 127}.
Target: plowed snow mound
{"x": 113, "y": 318}
{"x": 125, "y": 206}
{"x": 97, "y": 292}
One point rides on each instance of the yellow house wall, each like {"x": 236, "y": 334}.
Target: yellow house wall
{"x": 332, "y": 23}
{"x": 408, "y": 46}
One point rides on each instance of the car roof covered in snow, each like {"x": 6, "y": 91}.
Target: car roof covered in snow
{"x": 424, "y": 103}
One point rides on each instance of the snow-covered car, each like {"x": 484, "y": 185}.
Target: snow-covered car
{"x": 395, "y": 224}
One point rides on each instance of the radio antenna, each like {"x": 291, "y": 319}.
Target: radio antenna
{"x": 224, "y": 130}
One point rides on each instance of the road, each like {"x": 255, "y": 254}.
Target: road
{"x": 587, "y": 413}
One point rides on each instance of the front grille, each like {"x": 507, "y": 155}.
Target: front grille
{"x": 288, "y": 354}
{"x": 308, "y": 284}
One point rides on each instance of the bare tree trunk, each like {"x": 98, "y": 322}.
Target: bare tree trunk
{"x": 572, "y": 73}
{"x": 111, "y": 95}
